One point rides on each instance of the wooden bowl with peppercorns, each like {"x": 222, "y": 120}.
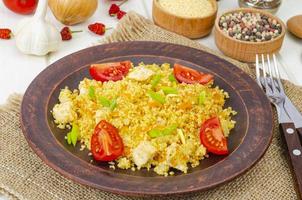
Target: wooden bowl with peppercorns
{"x": 245, "y": 32}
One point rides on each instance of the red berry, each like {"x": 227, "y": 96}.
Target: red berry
{"x": 97, "y": 28}
{"x": 114, "y": 9}
{"x": 5, "y": 33}
{"x": 121, "y": 14}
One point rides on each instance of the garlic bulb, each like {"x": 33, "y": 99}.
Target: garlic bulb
{"x": 71, "y": 12}
{"x": 35, "y": 35}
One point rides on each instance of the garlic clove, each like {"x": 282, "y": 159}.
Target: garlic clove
{"x": 35, "y": 35}
{"x": 21, "y": 24}
{"x": 38, "y": 38}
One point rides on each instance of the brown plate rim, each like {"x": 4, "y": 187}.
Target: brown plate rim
{"x": 112, "y": 182}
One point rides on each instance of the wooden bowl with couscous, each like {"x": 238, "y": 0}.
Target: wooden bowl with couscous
{"x": 192, "y": 19}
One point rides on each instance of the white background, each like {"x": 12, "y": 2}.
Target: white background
{"x": 18, "y": 70}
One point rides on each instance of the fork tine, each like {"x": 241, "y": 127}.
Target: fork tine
{"x": 258, "y": 71}
{"x": 264, "y": 74}
{"x": 271, "y": 76}
{"x": 263, "y": 67}
{"x": 277, "y": 74}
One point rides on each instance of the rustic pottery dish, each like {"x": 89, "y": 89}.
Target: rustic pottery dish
{"x": 247, "y": 143}
{"x": 243, "y": 50}
{"x": 190, "y": 27}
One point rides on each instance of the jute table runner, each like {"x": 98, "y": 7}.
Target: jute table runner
{"x": 24, "y": 176}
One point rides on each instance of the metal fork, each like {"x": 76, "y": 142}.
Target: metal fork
{"x": 269, "y": 80}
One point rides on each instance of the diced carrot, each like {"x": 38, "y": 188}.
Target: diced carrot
{"x": 154, "y": 104}
{"x": 185, "y": 105}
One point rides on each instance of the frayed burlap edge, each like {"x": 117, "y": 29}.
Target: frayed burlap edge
{"x": 13, "y": 103}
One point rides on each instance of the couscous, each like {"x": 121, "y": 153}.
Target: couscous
{"x": 149, "y": 116}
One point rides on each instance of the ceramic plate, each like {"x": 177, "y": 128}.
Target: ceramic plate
{"x": 247, "y": 142}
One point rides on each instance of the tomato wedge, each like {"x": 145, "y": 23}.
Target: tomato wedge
{"x": 187, "y": 75}
{"x": 212, "y": 137}
{"x": 109, "y": 71}
{"x": 106, "y": 143}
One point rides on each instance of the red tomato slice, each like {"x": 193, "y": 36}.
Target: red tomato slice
{"x": 106, "y": 143}
{"x": 212, "y": 137}
{"x": 109, "y": 71}
{"x": 187, "y": 75}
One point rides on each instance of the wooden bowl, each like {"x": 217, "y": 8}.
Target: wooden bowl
{"x": 247, "y": 142}
{"x": 243, "y": 50}
{"x": 189, "y": 27}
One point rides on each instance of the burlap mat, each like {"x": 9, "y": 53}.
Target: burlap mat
{"x": 24, "y": 176}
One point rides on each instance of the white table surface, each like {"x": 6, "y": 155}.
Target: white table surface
{"x": 18, "y": 70}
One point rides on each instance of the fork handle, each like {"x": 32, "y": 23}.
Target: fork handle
{"x": 300, "y": 133}
{"x": 294, "y": 147}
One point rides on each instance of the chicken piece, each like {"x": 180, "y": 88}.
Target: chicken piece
{"x": 140, "y": 74}
{"x": 176, "y": 158}
{"x": 143, "y": 153}
{"x": 64, "y": 113}
{"x": 65, "y": 95}
{"x": 84, "y": 87}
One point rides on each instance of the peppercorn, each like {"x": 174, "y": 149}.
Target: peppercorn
{"x": 268, "y": 37}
